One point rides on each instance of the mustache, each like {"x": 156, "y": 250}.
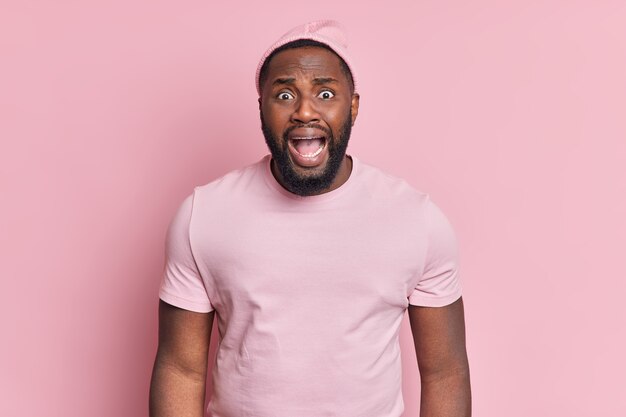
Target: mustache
{"x": 308, "y": 126}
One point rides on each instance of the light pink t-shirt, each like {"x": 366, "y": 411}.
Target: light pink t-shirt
{"x": 309, "y": 292}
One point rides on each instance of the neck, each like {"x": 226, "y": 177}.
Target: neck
{"x": 345, "y": 169}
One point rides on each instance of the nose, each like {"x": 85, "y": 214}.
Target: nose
{"x": 305, "y": 112}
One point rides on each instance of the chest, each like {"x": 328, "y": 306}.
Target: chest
{"x": 288, "y": 257}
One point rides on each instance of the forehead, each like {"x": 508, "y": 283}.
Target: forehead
{"x": 305, "y": 62}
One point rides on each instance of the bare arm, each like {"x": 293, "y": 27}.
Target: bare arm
{"x": 178, "y": 381}
{"x": 439, "y": 337}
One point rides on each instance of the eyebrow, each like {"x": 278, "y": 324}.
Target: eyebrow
{"x": 324, "y": 80}
{"x": 316, "y": 81}
{"x": 286, "y": 80}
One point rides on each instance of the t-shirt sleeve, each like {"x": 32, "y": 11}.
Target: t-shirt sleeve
{"x": 182, "y": 284}
{"x": 439, "y": 284}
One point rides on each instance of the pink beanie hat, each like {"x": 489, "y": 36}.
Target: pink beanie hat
{"x": 328, "y": 32}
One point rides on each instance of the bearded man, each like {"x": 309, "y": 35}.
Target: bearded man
{"x": 309, "y": 259}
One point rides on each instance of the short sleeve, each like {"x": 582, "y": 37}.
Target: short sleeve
{"x": 182, "y": 284}
{"x": 439, "y": 284}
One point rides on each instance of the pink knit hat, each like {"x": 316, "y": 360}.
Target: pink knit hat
{"x": 329, "y": 32}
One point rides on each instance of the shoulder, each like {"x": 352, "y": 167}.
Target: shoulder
{"x": 222, "y": 193}
{"x": 399, "y": 195}
{"x": 233, "y": 180}
{"x": 386, "y": 186}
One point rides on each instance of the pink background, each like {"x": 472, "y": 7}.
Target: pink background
{"x": 510, "y": 114}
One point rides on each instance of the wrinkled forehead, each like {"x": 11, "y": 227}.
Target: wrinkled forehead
{"x": 305, "y": 63}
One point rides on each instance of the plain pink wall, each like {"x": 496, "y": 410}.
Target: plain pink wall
{"x": 512, "y": 115}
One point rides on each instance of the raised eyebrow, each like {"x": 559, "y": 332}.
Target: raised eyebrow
{"x": 284, "y": 80}
{"x": 324, "y": 80}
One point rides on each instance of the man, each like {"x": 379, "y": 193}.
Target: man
{"x": 310, "y": 259}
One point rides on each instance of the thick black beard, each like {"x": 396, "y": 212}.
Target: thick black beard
{"x": 309, "y": 185}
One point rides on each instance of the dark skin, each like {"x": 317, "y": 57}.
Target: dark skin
{"x": 307, "y": 86}
{"x": 295, "y": 93}
{"x": 439, "y": 338}
{"x": 179, "y": 376}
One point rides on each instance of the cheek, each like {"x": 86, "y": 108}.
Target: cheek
{"x": 275, "y": 118}
{"x": 337, "y": 118}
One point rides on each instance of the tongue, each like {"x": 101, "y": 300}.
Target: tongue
{"x": 307, "y": 146}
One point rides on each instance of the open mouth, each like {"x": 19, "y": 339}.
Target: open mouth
{"x": 307, "y": 147}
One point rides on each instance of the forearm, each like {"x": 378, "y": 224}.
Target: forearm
{"x": 446, "y": 395}
{"x": 176, "y": 393}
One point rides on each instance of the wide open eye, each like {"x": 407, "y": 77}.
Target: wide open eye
{"x": 326, "y": 95}
{"x": 285, "y": 95}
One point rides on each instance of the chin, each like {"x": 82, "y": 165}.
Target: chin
{"x": 302, "y": 180}
{"x": 308, "y": 172}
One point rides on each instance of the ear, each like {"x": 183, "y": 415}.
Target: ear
{"x": 355, "y": 107}
{"x": 259, "y": 103}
